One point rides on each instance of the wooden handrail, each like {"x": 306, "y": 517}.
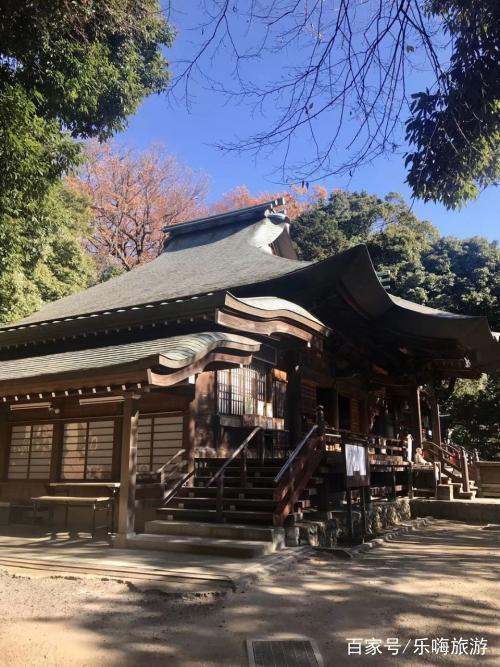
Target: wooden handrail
{"x": 439, "y": 447}
{"x": 170, "y": 460}
{"x": 180, "y": 483}
{"x": 236, "y": 452}
{"x": 295, "y": 453}
{"x": 162, "y": 469}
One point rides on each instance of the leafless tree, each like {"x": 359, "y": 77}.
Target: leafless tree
{"x": 347, "y": 63}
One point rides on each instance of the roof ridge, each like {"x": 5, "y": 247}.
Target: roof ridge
{"x": 248, "y": 214}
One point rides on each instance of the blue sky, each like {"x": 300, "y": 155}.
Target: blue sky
{"x": 192, "y": 135}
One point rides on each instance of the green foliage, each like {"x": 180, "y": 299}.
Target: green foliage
{"x": 462, "y": 276}
{"x": 42, "y": 256}
{"x": 68, "y": 68}
{"x": 455, "y": 130}
{"x": 458, "y": 275}
{"x": 33, "y": 152}
{"x": 85, "y": 63}
{"x": 474, "y": 413}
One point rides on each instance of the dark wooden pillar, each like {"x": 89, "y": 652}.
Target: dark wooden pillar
{"x": 57, "y": 450}
{"x": 416, "y": 414}
{"x": 189, "y": 435}
{"x": 335, "y": 408}
{"x": 128, "y": 468}
{"x": 293, "y": 401}
{"x": 4, "y": 443}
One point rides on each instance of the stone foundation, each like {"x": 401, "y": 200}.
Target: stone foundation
{"x": 333, "y": 528}
{"x": 479, "y": 510}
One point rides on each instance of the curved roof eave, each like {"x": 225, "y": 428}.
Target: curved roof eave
{"x": 352, "y": 274}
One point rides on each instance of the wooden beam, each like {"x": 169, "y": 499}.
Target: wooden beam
{"x": 128, "y": 469}
{"x": 4, "y": 443}
{"x": 264, "y": 314}
{"x": 222, "y": 359}
{"x": 264, "y": 328}
{"x": 112, "y": 375}
{"x": 57, "y": 451}
{"x": 416, "y": 415}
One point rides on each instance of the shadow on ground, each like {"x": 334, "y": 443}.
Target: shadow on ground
{"x": 441, "y": 581}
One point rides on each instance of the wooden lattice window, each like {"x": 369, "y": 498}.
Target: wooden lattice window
{"x": 159, "y": 437}
{"x": 242, "y": 390}
{"x": 88, "y": 450}
{"x": 30, "y": 451}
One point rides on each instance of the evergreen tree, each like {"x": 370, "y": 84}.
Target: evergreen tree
{"x": 67, "y": 70}
{"x": 458, "y": 275}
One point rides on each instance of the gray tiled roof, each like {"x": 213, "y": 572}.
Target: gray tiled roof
{"x": 233, "y": 252}
{"x": 176, "y": 352}
{"x": 214, "y": 259}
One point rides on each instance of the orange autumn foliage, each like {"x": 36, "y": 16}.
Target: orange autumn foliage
{"x": 133, "y": 196}
{"x": 298, "y": 199}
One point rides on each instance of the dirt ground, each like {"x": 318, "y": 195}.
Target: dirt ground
{"x": 438, "y": 582}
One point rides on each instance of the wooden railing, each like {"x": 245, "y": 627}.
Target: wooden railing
{"x": 162, "y": 471}
{"x": 219, "y": 475}
{"x": 457, "y": 458}
{"x": 295, "y": 474}
{"x": 181, "y": 482}
{"x": 295, "y": 453}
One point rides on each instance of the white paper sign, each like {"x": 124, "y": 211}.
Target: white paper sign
{"x": 355, "y": 458}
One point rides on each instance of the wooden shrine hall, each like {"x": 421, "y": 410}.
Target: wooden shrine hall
{"x": 227, "y": 386}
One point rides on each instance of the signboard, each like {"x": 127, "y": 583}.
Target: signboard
{"x": 356, "y": 465}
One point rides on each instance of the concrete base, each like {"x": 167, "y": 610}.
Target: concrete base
{"x": 228, "y": 540}
{"x": 445, "y": 491}
{"x": 201, "y": 545}
{"x": 30, "y": 550}
{"x": 479, "y": 510}
{"x": 120, "y": 540}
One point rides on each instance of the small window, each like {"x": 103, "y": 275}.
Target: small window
{"x": 242, "y": 390}
{"x": 158, "y": 439}
{"x": 87, "y": 450}
{"x": 30, "y": 451}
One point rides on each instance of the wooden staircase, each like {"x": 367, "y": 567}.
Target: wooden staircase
{"x": 236, "y": 506}
{"x": 251, "y": 501}
{"x": 454, "y": 465}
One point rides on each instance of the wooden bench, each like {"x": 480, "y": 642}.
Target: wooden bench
{"x": 96, "y": 503}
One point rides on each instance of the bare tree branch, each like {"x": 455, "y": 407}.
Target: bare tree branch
{"x": 346, "y": 63}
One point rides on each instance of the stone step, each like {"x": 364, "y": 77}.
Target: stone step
{"x": 227, "y": 531}
{"x": 444, "y": 492}
{"x": 201, "y": 545}
{"x": 456, "y": 483}
{"x": 174, "y": 513}
{"x": 490, "y": 490}
{"x": 465, "y": 495}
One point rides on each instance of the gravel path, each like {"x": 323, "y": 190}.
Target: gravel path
{"x": 441, "y": 581}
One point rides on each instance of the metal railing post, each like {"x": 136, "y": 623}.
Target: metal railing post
{"x": 243, "y": 468}
{"x": 465, "y": 471}
{"x": 437, "y": 476}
